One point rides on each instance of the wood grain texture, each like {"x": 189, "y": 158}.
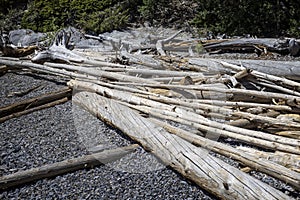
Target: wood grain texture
{"x": 192, "y": 162}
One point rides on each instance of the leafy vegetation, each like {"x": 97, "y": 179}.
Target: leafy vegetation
{"x": 261, "y": 18}
{"x": 11, "y": 13}
{"x": 90, "y": 15}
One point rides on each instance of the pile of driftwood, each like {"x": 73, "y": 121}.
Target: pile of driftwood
{"x": 182, "y": 108}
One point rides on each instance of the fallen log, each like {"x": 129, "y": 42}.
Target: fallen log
{"x": 11, "y": 50}
{"x": 17, "y": 52}
{"x": 154, "y": 108}
{"x": 142, "y": 60}
{"x": 43, "y": 68}
{"x": 160, "y": 43}
{"x": 240, "y": 104}
{"x": 58, "y": 51}
{"x": 250, "y": 45}
{"x": 290, "y": 161}
{"x": 212, "y": 174}
{"x": 273, "y": 86}
{"x": 250, "y": 95}
{"x": 63, "y": 167}
{"x": 265, "y": 68}
{"x": 290, "y": 134}
{"x": 23, "y": 92}
{"x": 100, "y": 73}
{"x": 3, "y": 70}
{"x": 35, "y": 102}
{"x": 216, "y": 130}
{"x": 226, "y": 112}
{"x": 25, "y": 112}
{"x": 285, "y": 69}
{"x": 281, "y": 80}
{"x": 158, "y": 73}
{"x": 251, "y": 160}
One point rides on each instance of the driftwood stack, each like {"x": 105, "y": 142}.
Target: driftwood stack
{"x": 182, "y": 108}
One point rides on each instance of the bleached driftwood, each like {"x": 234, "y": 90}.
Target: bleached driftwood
{"x": 252, "y": 160}
{"x": 66, "y": 166}
{"x": 58, "y": 51}
{"x": 30, "y": 105}
{"x": 283, "y": 69}
{"x": 160, "y": 43}
{"x": 33, "y": 102}
{"x": 31, "y": 110}
{"x": 290, "y": 161}
{"x": 246, "y": 95}
{"x": 219, "y": 129}
{"x": 194, "y": 163}
{"x": 258, "y": 45}
{"x": 281, "y": 80}
{"x": 173, "y": 112}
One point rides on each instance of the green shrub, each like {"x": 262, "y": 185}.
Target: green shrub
{"x": 11, "y": 13}
{"x": 261, "y": 18}
{"x": 90, "y": 15}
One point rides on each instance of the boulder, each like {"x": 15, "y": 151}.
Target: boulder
{"x": 25, "y": 37}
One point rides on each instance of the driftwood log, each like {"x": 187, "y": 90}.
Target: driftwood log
{"x": 10, "y": 50}
{"x": 195, "y": 163}
{"x": 252, "y": 160}
{"x": 70, "y": 165}
{"x": 30, "y": 105}
{"x": 257, "y": 45}
{"x": 58, "y": 51}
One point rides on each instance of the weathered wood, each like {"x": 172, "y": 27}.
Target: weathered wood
{"x": 11, "y": 50}
{"x": 290, "y": 161}
{"x": 267, "y": 76}
{"x": 23, "y": 92}
{"x": 251, "y": 160}
{"x": 58, "y": 51}
{"x": 177, "y": 112}
{"x": 100, "y": 73}
{"x": 27, "y": 111}
{"x": 34, "y": 102}
{"x": 291, "y": 134}
{"x": 219, "y": 130}
{"x": 66, "y": 166}
{"x": 250, "y": 45}
{"x": 157, "y": 73}
{"x": 281, "y": 89}
{"x": 3, "y": 70}
{"x": 160, "y": 43}
{"x": 43, "y": 68}
{"x": 251, "y": 95}
{"x": 143, "y": 60}
{"x": 194, "y": 163}
{"x": 283, "y": 69}
{"x": 240, "y": 104}
{"x": 227, "y": 112}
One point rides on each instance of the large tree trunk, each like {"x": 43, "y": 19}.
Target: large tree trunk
{"x": 192, "y": 162}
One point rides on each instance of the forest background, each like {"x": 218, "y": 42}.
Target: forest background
{"x": 270, "y": 18}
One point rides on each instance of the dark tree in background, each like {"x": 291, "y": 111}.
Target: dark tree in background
{"x": 271, "y": 18}
{"x": 11, "y": 13}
